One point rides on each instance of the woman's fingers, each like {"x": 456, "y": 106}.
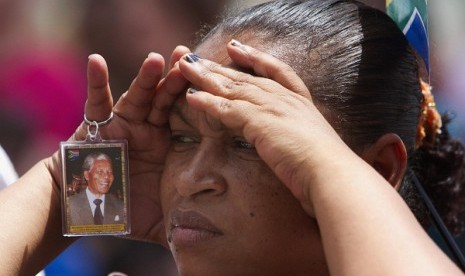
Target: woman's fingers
{"x": 168, "y": 89}
{"x": 234, "y": 114}
{"x": 135, "y": 104}
{"x": 222, "y": 81}
{"x": 274, "y": 76}
{"x": 267, "y": 66}
{"x": 99, "y": 100}
{"x": 177, "y": 54}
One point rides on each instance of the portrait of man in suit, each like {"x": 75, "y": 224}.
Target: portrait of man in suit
{"x": 95, "y": 205}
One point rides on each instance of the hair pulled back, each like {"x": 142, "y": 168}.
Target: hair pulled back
{"x": 364, "y": 77}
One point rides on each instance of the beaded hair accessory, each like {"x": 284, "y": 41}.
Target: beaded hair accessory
{"x": 430, "y": 123}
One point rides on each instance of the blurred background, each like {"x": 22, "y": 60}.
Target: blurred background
{"x": 44, "y": 46}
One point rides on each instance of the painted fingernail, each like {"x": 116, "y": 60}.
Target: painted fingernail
{"x": 240, "y": 46}
{"x": 192, "y": 58}
{"x": 235, "y": 43}
{"x": 192, "y": 90}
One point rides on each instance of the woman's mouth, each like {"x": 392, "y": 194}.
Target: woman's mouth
{"x": 189, "y": 228}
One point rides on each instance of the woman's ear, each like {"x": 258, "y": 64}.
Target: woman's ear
{"x": 389, "y": 157}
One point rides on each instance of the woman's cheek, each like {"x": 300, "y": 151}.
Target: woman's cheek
{"x": 167, "y": 186}
{"x": 258, "y": 190}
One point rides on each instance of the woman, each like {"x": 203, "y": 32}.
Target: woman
{"x": 283, "y": 154}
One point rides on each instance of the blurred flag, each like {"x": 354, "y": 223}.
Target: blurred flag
{"x": 73, "y": 154}
{"x": 412, "y": 18}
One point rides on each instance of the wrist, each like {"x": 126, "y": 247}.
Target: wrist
{"x": 320, "y": 176}
{"x": 53, "y": 166}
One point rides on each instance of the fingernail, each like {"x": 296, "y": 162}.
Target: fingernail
{"x": 151, "y": 54}
{"x": 191, "y": 90}
{"x": 192, "y": 58}
{"x": 235, "y": 43}
{"x": 240, "y": 46}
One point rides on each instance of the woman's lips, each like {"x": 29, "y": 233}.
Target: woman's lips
{"x": 189, "y": 228}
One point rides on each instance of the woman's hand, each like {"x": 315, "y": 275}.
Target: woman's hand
{"x": 140, "y": 116}
{"x": 273, "y": 110}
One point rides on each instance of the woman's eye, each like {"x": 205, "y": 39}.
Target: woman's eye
{"x": 181, "y": 142}
{"x": 241, "y": 143}
{"x": 244, "y": 150}
{"x": 182, "y": 139}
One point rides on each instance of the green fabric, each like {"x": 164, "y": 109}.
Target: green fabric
{"x": 401, "y": 11}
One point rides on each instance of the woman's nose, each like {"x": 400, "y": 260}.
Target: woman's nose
{"x": 203, "y": 175}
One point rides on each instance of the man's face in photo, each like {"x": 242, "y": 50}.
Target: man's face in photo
{"x": 100, "y": 177}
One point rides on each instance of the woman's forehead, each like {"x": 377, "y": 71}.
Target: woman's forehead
{"x": 214, "y": 49}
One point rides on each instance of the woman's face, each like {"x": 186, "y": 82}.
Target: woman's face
{"x": 225, "y": 212}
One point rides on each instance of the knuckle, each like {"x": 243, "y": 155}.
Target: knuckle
{"x": 233, "y": 85}
{"x": 237, "y": 82}
{"x": 224, "y": 105}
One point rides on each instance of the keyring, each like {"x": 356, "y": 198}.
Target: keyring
{"x": 104, "y": 122}
{"x": 77, "y": 157}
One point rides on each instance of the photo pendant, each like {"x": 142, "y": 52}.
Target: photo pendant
{"x": 95, "y": 191}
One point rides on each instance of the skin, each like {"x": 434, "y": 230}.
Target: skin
{"x": 331, "y": 182}
{"x": 213, "y": 170}
{"x": 365, "y": 227}
{"x": 141, "y": 117}
{"x": 100, "y": 177}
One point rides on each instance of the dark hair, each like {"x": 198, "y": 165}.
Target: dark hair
{"x": 363, "y": 76}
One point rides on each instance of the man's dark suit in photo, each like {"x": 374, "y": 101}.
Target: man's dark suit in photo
{"x": 81, "y": 213}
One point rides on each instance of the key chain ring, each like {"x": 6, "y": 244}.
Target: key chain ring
{"x": 92, "y": 136}
{"x": 104, "y": 122}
